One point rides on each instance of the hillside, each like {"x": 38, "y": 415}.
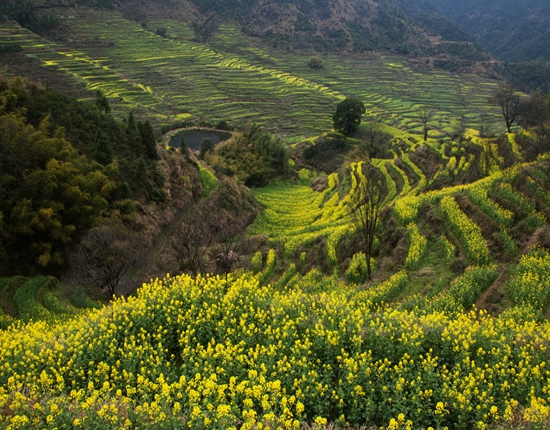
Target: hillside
{"x": 515, "y": 31}
{"x": 327, "y": 26}
{"x": 299, "y": 337}
{"x": 217, "y": 352}
{"x": 177, "y": 78}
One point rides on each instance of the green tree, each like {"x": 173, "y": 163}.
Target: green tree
{"x": 103, "y": 152}
{"x": 49, "y": 193}
{"x": 348, "y": 115}
{"x": 316, "y": 63}
{"x": 207, "y": 145}
{"x": 148, "y": 140}
{"x": 102, "y": 103}
{"x": 133, "y": 137}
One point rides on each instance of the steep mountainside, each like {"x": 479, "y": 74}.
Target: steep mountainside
{"x": 327, "y": 25}
{"x": 510, "y": 30}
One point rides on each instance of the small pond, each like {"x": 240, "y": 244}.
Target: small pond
{"x": 193, "y": 138}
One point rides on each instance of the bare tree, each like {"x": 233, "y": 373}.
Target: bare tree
{"x": 459, "y": 127}
{"x": 229, "y": 237}
{"x": 535, "y": 116}
{"x": 366, "y": 204}
{"x": 193, "y": 239}
{"x": 483, "y": 125}
{"x": 425, "y": 115}
{"x": 507, "y": 98}
{"x": 106, "y": 256}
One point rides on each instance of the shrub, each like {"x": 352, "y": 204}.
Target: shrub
{"x": 316, "y": 63}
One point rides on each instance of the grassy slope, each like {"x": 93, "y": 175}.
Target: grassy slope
{"x": 229, "y": 79}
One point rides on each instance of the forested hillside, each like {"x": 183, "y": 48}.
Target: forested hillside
{"x": 513, "y": 31}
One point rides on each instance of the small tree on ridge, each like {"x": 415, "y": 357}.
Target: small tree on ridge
{"x": 348, "y": 115}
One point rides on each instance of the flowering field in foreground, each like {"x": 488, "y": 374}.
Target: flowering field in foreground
{"x": 211, "y": 353}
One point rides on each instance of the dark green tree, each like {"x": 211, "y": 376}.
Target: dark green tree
{"x": 148, "y": 140}
{"x": 316, "y": 63}
{"x": 207, "y": 145}
{"x": 133, "y": 136}
{"x": 102, "y": 103}
{"x": 348, "y": 115}
{"x": 103, "y": 152}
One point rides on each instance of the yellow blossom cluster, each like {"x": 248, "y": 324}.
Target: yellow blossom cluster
{"x": 216, "y": 353}
{"x": 466, "y": 229}
{"x": 530, "y": 283}
{"x": 417, "y": 246}
{"x": 479, "y": 196}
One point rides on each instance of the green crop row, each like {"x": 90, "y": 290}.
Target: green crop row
{"x": 530, "y": 282}
{"x": 468, "y": 232}
{"x": 417, "y": 246}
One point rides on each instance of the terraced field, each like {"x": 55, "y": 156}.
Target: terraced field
{"x": 304, "y": 350}
{"x": 177, "y": 77}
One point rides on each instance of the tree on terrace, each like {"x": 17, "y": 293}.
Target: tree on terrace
{"x": 507, "y": 98}
{"x": 348, "y": 115}
{"x": 366, "y": 205}
{"x": 425, "y": 115}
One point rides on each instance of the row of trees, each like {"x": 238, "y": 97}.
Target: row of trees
{"x": 347, "y": 117}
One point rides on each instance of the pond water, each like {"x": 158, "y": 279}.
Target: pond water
{"x": 192, "y": 139}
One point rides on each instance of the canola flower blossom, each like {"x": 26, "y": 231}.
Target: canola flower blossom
{"x": 468, "y": 231}
{"x": 213, "y": 353}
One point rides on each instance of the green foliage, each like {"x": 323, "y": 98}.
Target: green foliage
{"x": 254, "y": 157}
{"x": 49, "y": 192}
{"x": 207, "y": 145}
{"x": 265, "y": 276}
{"x": 509, "y": 244}
{"x": 297, "y": 215}
{"x": 357, "y": 273}
{"x": 245, "y": 341}
{"x": 530, "y": 75}
{"x": 10, "y": 48}
{"x": 530, "y": 280}
{"x": 316, "y": 63}
{"x": 535, "y": 220}
{"x": 347, "y": 116}
{"x": 448, "y": 248}
{"x": 148, "y": 140}
{"x": 466, "y": 289}
{"x": 417, "y": 246}
{"x": 501, "y": 216}
{"x": 467, "y": 230}
{"x": 24, "y": 12}
{"x": 208, "y": 180}
{"x": 257, "y": 262}
{"x": 25, "y": 299}
{"x": 385, "y": 291}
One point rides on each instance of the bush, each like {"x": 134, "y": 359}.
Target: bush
{"x": 316, "y": 63}
{"x": 357, "y": 270}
